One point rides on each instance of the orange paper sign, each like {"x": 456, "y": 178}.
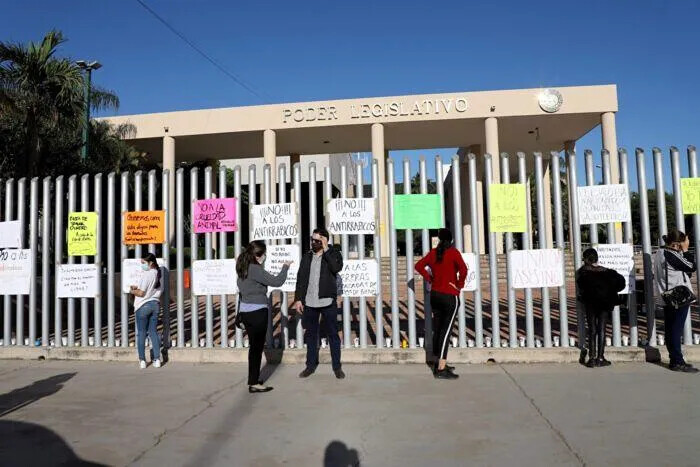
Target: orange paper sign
{"x": 143, "y": 227}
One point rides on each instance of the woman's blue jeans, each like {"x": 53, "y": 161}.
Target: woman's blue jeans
{"x": 147, "y": 321}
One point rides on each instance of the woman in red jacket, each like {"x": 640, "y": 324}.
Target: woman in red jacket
{"x": 446, "y": 277}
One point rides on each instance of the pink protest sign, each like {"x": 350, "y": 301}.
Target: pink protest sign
{"x": 215, "y": 215}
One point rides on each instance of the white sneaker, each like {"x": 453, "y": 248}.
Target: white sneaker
{"x": 142, "y": 364}
{"x": 156, "y": 363}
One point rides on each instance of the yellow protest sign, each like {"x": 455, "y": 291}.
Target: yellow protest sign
{"x": 82, "y": 234}
{"x": 690, "y": 195}
{"x": 507, "y": 212}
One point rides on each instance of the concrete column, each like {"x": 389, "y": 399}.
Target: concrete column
{"x": 491, "y": 134}
{"x": 609, "y": 136}
{"x": 570, "y": 146}
{"x": 379, "y": 154}
{"x": 547, "y": 186}
{"x": 270, "y": 157}
{"x": 169, "y": 164}
{"x": 466, "y": 196}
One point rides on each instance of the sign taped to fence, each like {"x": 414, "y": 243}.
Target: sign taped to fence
{"x": 76, "y": 281}
{"x": 132, "y": 272}
{"x": 353, "y": 216}
{"x": 214, "y": 215}
{"x": 690, "y": 195}
{"x": 143, "y": 227}
{"x": 278, "y": 254}
{"x": 274, "y": 221}
{"x": 82, "y": 234}
{"x": 508, "y": 211}
{"x": 10, "y": 234}
{"x": 214, "y": 277}
{"x": 418, "y": 212}
{"x": 536, "y": 268}
{"x": 602, "y": 204}
{"x": 470, "y": 261}
{"x": 15, "y": 272}
{"x": 620, "y": 257}
{"x": 358, "y": 278}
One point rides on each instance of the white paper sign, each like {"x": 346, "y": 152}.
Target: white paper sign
{"x": 278, "y": 254}
{"x": 76, "y": 281}
{"x": 536, "y": 268}
{"x": 602, "y": 204}
{"x": 470, "y": 261}
{"x": 15, "y": 272}
{"x": 352, "y": 216}
{"x": 358, "y": 278}
{"x": 131, "y": 272}
{"x": 620, "y": 257}
{"x": 10, "y": 232}
{"x": 273, "y": 221}
{"x": 214, "y": 277}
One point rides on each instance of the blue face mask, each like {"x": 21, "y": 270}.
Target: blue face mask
{"x": 144, "y": 266}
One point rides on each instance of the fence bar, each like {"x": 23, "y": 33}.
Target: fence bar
{"x": 138, "y": 206}
{"x": 223, "y": 254}
{"x": 629, "y": 238}
{"x": 152, "y": 202}
{"x": 111, "y": 213}
{"x": 84, "y": 207}
{"x": 410, "y": 275}
{"x": 526, "y": 242}
{"x": 180, "y": 254}
{"x": 33, "y": 243}
{"x": 58, "y": 260}
{"x": 425, "y": 236}
{"x": 660, "y": 193}
{"x": 21, "y": 216}
{"x": 379, "y": 302}
{"x": 512, "y": 311}
{"x": 194, "y": 249}
{"x": 72, "y": 185}
{"x": 476, "y": 248}
{"x": 7, "y": 319}
{"x": 439, "y": 185}
{"x": 561, "y": 244}
{"x": 347, "y": 310}
{"x": 124, "y": 254}
{"x": 693, "y": 172}
{"x": 209, "y": 299}
{"x": 296, "y": 180}
{"x": 97, "y": 304}
{"x": 359, "y": 193}
{"x": 590, "y": 181}
{"x": 616, "y": 334}
{"x": 393, "y": 254}
{"x": 237, "y": 236}
{"x": 459, "y": 243}
{"x": 646, "y": 247}
{"x": 166, "y": 342}
{"x": 46, "y": 261}
{"x": 493, "y": 259}
{"x": 576, "y": 236}
{"x": 284, "y": 299}
{"x": 542, "y": 240}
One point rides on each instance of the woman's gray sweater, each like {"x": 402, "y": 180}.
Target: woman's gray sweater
{"x": 253, "y": 289}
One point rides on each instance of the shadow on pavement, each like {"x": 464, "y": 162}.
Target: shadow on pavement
{"x": 338, "y": 455}
{"x": 18, "y": 398}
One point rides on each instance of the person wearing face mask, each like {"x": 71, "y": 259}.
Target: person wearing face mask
{"x": 146, "y": 307}
{"x": 316, "y": 296}
{"x": 253, "y": 282}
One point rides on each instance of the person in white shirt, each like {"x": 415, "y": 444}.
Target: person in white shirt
{"x": 146, "y": 307}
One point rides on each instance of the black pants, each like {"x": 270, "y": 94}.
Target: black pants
{"x": 256, "y": 326}
{"x": 674, "y": 322}
{"x": 596, "y": 320}
{"x": 310, "y": 320}
{"x": 444, "y": 309}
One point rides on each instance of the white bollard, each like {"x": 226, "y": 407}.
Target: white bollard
{"x": 292, "y": 343}
{"x": 696, "y": 339}
{"x": 625, "y": 341}
{"x": 202, "y": 342}
{"x": 660, "y": 339}
{"x": 521, "y": 341}
{"x": 454, "y": 342}
{"x": 421, "y": 340}
{"x": 572, "y": 342}
{"x": 470, "y": 343}
{"x": 388, "y": 342}
{"x": 487, "y": 341}
{"x": 356, "y": 342}
{"x": 556, "y": 341}
{"x": 246, "y": 343}
{"x": 608, "y": 341}
{"x": 231, "y": 343}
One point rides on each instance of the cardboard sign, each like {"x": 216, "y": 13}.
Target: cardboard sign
{"x": 620, "y": 257}
{"x": 470, "y": 261}
{"x": 352, "y": 216}
{"x": 358, "y": 278}
{"x": 418, "y": 212}
{"x": 507, "y": 212}
{"x": 76, "y": 281}
{"x": 690, "y": 195}
{"x": 15, "y": 272}
{"x": 214, "y": 277}
{"x": 603, "y": 204}
{"x": 82, "y": 234}
{"x": 536, "y": 268}
{"x": 132, "y": 272}
{"x": 214, "y": 215}
{"x": 274, "y": 221}
{"x": 144, "y": 227}
{"x": 276, "y": 256}
{"x": 10, "y": 234}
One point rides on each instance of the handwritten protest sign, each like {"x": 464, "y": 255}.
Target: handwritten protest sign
{"x": 602, "y": 204}
{"x": 620, "y": 257}
{"x": 352, "y": 216}
{"x": 76, "y": 281}
{"x": 142, "y": 227}
{"x": 276, "y": 256}
{"x": 418, "y": 212}
{"x": 214, "y": 215}
{"x": 214, "y": 277}
{"x": 358, "y": 278}
{"x": 82, "y": 234}
{"x": 15, "y": 272}
{"x": 131, "y": 272}
{"x": 10, "y": 233}
{"x": 470, "y": 261}
{"x": 536, "y": 268}
{"x": 274, "y": 221}
{"x": 507, "y": 212}
{"x": 690, "y": 195}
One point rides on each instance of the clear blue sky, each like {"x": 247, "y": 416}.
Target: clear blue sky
{"x": 297, "y": 51}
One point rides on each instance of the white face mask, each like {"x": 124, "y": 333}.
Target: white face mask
{"x": 262, "y": 259}
{"x": 145, "y": 266}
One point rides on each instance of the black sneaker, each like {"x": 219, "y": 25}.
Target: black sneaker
{"x": 603, "y": 362}
{"x": 447, "y": 367}
{"x": 592, "y": 363}
{"x": 339, "y": 373}
{"x": 685, "y": 368}
{"x": 445, "y": 374}
{"x": 307, "y": 372}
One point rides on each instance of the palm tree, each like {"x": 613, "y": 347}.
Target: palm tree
{"x": 43, "y": 93}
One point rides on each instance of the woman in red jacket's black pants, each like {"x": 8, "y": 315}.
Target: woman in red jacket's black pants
{"x": 446, "y": 277}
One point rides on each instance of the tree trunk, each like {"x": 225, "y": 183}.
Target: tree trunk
{"x": 27, "y": 167}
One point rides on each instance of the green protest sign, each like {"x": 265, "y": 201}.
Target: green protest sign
{"x": 418, "y": 212}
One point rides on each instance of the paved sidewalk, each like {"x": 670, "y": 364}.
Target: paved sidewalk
{"x": 384, "y": 415}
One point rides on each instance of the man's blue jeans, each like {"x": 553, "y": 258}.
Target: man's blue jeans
{"x": 147, "y": 321}
{"x": 310, "y": 320}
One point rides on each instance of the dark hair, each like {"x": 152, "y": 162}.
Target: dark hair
{"x": 322, "y": 232}
{"x": 590, "y": 256}
{"x": 445, "y": 237}
{"x": 151, "y": 259}
{"x": 250, "y": 255}
{"x": 674, "y": 236}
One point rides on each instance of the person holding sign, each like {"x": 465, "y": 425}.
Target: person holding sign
{"x": 598, "y": 289}
{"x": 446, "y": 278}
{"x": 146, "y": 307}
{"x": 316, "y": 296}
{"x": 253, "y": 282}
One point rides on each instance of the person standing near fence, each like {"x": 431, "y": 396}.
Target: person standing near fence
{"x": 446, "y": 279}
{"x": 253, "y": 282}
{"x": 673, "y": 266}
{"x": 316, "y": 297}
{"x": 598, "y": 290}
{"x": 147, "y": 306}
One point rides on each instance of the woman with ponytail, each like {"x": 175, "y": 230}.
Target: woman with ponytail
{"x": 446, "y": 277}
{"x": 146, "y": 307}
